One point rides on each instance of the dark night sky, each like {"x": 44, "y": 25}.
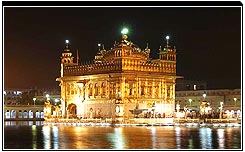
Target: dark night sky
{"x": 208, "y": 40}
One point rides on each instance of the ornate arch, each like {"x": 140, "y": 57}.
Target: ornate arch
{"x": 72, "y": 109}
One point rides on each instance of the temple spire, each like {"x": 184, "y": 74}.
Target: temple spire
{"x": 67, "y": 46}
{"x": 167, "y": 38}
{"x": 147, "y": 46}
{"x": 124, "y": 34}
{"x": 99, "y": 46}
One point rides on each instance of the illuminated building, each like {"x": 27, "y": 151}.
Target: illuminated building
{"x": 193, "y": 99}
{"x": 121, "y": 82}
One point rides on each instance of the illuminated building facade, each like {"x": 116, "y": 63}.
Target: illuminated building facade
{"x": 122, "y": 82}
{"x": 231, "y": 99}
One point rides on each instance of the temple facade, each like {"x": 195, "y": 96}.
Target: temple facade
{"x": 122, "y": 82}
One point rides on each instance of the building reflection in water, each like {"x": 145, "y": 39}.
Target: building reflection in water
{"x": 137, "y": 138}
{"x": 178, "y": 137}
{"x": 50, "y": 137}
{"x": 80, "y": 136}
{"x": 30, "y": 123}
{"x": 34, "y": 137}
{"x": 221, "y": 138}
{"x": 153, "y": 136}
{"x": 55, "y": 133}
{"x": 117, "y": 138}
{"x": 206, "y": 138}
{"x": 190, "y": 145}
{"x": 46, "y": 137}
{"x": 230, "y": 137}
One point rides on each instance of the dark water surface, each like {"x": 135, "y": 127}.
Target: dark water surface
{"x": 35, "y": 135}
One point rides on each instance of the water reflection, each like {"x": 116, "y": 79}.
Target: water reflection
{"x": 117, "y": 139}
{"x": 88, "y": 137}
{"x": 178, "y": 137}
{"x": 80, "y": 136}
{"x": 153, "y": 136}
{"x": 23, "y": 123}
{"x": 205, "y": 138}
{"x": 55, "y": 137}
{"x": 47, "y": 137}
{"x": 34, "y": 137}
{"x": 221, "y": 139}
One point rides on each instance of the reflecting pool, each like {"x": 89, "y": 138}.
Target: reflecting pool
{"x": 35, "y": 135}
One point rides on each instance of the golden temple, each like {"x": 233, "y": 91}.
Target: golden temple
{"x": 122, "y": 82}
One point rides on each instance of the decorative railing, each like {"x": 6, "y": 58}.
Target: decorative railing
{"x": 108, "y": 67}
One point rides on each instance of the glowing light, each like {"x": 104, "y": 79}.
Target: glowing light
{"x": 55, "y": 132}
{"x": 124, "y": 31}
{"x": 56, "y": 100}
{"x": 167, "y": 37}
{"x": 47, "y": 95}
{"x": 221, "y": 138}
{"x": 206, "y": 138}
{"x": 99, "y": 44}
{"x": 204, "y": 95}
{"x": 67, "y": 41}
{"x": 34, "y": 99}
{"x": 46, "y": 137}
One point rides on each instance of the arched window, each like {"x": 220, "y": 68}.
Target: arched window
{"x": 130, "y": 89}
{"x": 156, "y": 89}
{"x": 142, "y": 90}
{"x": 90, "y": 89}
{"x": 96, "y": 90}
{"x": 103, "y": 86}
{"x": 20, "y": 114}
{"x": 150, "y": 89}
{"x": 13, "y": 114}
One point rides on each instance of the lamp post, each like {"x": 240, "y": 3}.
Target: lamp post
{"x": 221, "y": 108}
{"x": 177, "y": 108}
{"x": 56, "y": 101}
{"x": 153, "y": 108}
{"x": 185, "y": 110}
{"x": 190, "y": 100}
{"x": 119, "y": 94}
{"x": 235, "y": 99}
{"x": 34, "y": 99}
{"x": 204, "y": 96}
{"x": 47, "y": 106}
{"x": 47, "y": 96}
{"x": 99, "y": 46}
